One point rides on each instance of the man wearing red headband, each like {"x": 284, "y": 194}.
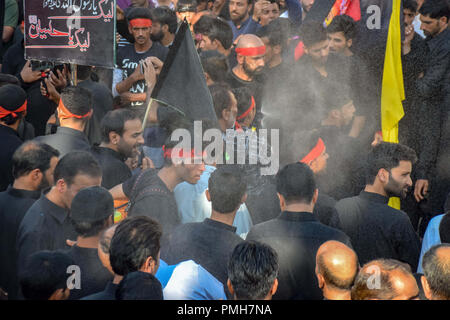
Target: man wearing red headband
{"x": 13, "y": 107}
{"x": 74, "y": 111}
{"x": 129, "y": 80}
{"x": 250, "y": 53}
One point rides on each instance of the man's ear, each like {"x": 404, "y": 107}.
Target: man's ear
{"x": 244, "y": 198}
{"x": 208, "y": 196}
{"x": 36, "y": 174}
{"x": 349, "y": 43}
{"x": 130, "y": 30}
{"x": 315, "y": 196}
{"x": 282, "y": 201}
{"x": 240, "y": 59}
{"x": 383, "y": 175}
{"x": 426, "y": 288}
{"x": 274, "y": 288}
{"x": 61, "y": 186}
{"x": 149, "y": 266}
{"x": 230, "y": 287}
{"x": 114, "y": 137}
{"x": 165, "y": 28}
{"x": 320, "y": 280}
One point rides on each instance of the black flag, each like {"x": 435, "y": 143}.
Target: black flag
{"x": 182, "y": 83}
{"x": 319, "y": 10}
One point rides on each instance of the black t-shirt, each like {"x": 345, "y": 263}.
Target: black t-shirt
{"x": 114, "y": 169}
{"x": 128, "y": 60}
{"x": 93, "y": 277}
{"x": 150, "y": 197}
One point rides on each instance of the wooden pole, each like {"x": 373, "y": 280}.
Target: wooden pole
{"x": 144, "y": 123}
{"x": 73, "y": 66}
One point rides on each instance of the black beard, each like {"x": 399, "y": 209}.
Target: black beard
{"x": 251, "y": 73}
{"x": 157, "y": 37}
{"x": 394, "y": 189}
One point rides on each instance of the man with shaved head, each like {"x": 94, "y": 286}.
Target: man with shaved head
{"x": 336, "y": 269}
{"x": 250, "y": 51}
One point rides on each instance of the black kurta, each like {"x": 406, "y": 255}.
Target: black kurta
{"x": 377, "y": 230}
{"x": 14, "y": 203}
{"x": 296, "y": 237}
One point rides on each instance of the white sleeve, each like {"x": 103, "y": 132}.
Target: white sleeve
{"x": 117, "y": 78}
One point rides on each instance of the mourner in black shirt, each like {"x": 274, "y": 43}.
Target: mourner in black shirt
{"x": 13, "y": 106}
{"x": 376, "y": 229}
{"x": 121, "y": 137}
{"x": 74, "y": 110}
{"x": 91, "y": 212}
{"x": 46, "y": 225}
{"x": 33, "y": 165}
{"x": 296, "y": 234}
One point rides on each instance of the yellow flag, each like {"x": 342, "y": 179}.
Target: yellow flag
{"x": 392, "y": 92}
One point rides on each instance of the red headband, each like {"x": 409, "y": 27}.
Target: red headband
{"x": 141, "y": 23}
{"x": 4, "y": 112}
{"x": 181, "y": 154}
{"x": 242, "y": 116}
{"x": 314, "y": 153}
{"x": 255, "y": 51}
{"x": 64, "y": 113}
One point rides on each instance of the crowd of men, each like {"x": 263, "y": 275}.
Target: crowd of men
{"x": 95, "y": 203}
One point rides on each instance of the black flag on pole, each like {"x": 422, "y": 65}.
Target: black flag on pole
{"x": 319, "y": 10}
{"x": 182, "y": 83}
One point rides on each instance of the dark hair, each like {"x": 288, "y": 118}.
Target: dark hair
{"x": 30, "y": 156}
{"x": 44, "y": 273}
{"x": 226, "y": 186}
{"x": 244, "y": 99}
{"x": 215, "y": 65}
{"x": 186, "y": 6}
{"x": 410, "y": 5}
{"x": 344, "y": 24}
{"x": 104, "y": 241}
{"x": 437, "y": 271}
{"x": 312, "y": 32}
{"x": 387, "y": 155}
{"x": 435, "y": 9}
{"x": 87, "y": 229}
{"x": 138, "y": 13}
{"x": 204, "y": 23}
{"x": 135, "y": 240}
{"x": 295, "y": 182}
{"x": 75, "y": 163}
{"x": 276, "y": 32}
{"x": 444, "y": 228}
{"x": 221, "y": 31}
{"x": 77, "y": 100}
{"x": 114, "y": 121}
{"x": 139, "y": 285}
{"x": 12, "y": 97}
{"x": 220, "y": 93}
{"x": 165, "y": 15}
{"x": 83, "y": 72}
{"x": 8, "y": 79}
{"x": 252, "y": 270}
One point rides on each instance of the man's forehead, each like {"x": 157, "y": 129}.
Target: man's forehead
{"x": 339, "y": 34}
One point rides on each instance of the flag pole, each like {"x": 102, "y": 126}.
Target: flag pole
{"x": 144, "y": 122}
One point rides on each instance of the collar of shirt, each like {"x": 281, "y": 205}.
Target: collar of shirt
{"x": 298, "y": 216}
{"x": 375, "y": 197}
{"x": 72, "y": 132}
{"x": 439, "y": 40}
{"x": 109, "y": 152}
{"x": 9, "y": 131}
{"x": 60, "y": 214}
{"x": 219, "y": 225}
{"x": 19, "y": 193}
{"x": 244, "y": 24}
